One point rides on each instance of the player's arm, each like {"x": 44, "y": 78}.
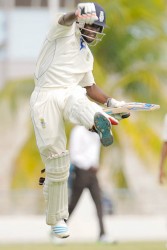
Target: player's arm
{"x": 95, "y": 93}
{"x": 68, "y": 19}
{"x": 162, "y": 161}
{"x": 85, "y": 13}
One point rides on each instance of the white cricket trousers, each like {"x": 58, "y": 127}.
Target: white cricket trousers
{"x": 50, "y": 107}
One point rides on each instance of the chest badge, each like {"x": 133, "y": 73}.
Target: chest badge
{"x": 82, "y": 44}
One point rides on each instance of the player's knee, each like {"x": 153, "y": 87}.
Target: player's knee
{"x": 57, "y": 167}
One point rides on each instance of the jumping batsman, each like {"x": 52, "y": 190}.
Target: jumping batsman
{"x": 63, "y": 80}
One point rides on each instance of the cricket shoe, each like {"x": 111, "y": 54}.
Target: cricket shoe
{"x": 107, "y": 239}
{"x": 103, "y": 127}
{"x": 60, "y": 230}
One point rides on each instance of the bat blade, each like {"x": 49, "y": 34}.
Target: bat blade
{"x": 132, "y": 106}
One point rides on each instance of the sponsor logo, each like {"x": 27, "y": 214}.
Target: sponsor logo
{"x": 82, "y": 44}
{"x": 101, "y": 16}
{"x": 43, "y": 124}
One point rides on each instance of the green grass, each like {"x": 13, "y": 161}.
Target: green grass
{"x": 95, "y": 246}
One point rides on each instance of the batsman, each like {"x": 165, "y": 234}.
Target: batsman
{"x": 65, "y": 90}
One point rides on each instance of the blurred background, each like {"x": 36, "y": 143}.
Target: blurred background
{"x": 130, "y": 65}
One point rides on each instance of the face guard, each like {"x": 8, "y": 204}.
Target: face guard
{"x": 91, "y": 34}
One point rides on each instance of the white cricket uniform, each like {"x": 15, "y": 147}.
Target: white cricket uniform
{"x": 84, "y": 148}
{"x": 164, "y": 131}
{"x": 63, "y": 68}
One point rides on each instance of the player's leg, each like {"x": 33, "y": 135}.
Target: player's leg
{"x": 96, "y": 196}
{"x": 51, "y": 141}
{"x": 80, "y": 110}
{"x": 55, "y": 192}
{"x": 78, "y": 185}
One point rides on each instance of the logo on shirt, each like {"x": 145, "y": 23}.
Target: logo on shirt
{"x": 101, "y": 16}
{"x": 82, "y": 44}
{"x": 43, "y": 124}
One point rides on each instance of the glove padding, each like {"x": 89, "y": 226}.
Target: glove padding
{"x": 111, "y": 102}
{"x": 86, "y": 13}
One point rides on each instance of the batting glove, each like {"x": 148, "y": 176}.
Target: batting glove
{"x": 86, "y": 13}
{"x": 111, "y": 102}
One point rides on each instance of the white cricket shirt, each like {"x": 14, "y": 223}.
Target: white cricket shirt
{"x": 64, "y": 60}
{"x": 84, "y": 148}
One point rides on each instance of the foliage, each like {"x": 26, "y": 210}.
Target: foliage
{"x": 133, "y": 50}
{"x": 143, "y": 139}
{"x": 119, "y": 178}
{"x": 27, "y": 166}
{"x": 16, "y": 90}
{"x": 135, "y": 34}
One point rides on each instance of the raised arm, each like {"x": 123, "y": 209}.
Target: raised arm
{"x": 68, "y": 19}
{"x": 85, "y": 13}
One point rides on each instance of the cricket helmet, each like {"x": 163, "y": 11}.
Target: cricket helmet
{"x": 100, "y": 22}
{"x": 100, "y": 12}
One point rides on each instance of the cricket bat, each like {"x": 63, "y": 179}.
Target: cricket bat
{"x": 132, "y": 106}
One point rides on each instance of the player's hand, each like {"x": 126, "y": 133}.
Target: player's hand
{"x": 113, "y": 103}
{"x": 86, "y": 13}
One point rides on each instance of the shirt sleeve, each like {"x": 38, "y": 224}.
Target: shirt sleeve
{"x": 57, "y": 30}
{"x": 87, "y": 80}
{"x": 164, "y": 133}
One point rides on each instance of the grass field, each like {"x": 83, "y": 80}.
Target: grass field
{"x": 95, "y": 246}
